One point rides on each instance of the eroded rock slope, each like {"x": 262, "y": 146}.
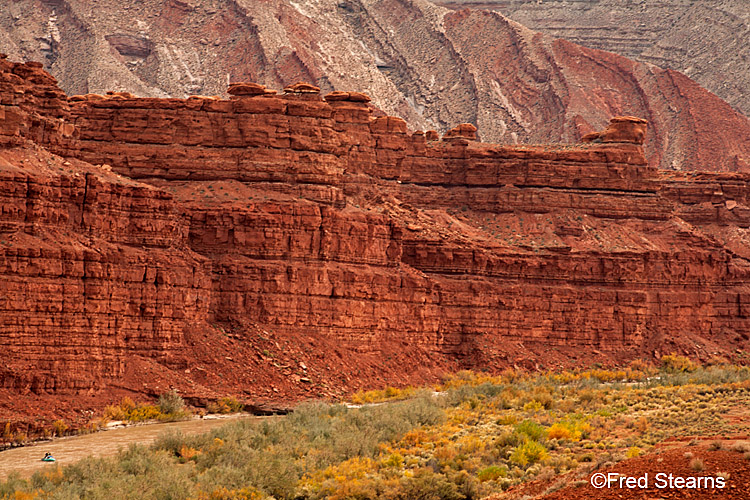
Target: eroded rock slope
{"x": 706, "y": 40}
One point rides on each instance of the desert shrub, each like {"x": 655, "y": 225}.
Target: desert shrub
{"x": 560, "y": 431}
{"x": 226, "y": 405}
{"x": 119, "y": 411}
{"x": 170, "y": 441}
{"x": 394, "y": 460}
{"x": 642, "y": 424}
{"x": 492, "y": 472}
{"x": 143, "y": 413}
{"x": 188, "y": 453}
{"x": 378, "y": 396}
{"x": 59, "y": 427}
{"x": 471, "y": 444}
{"x": 509, "y": 439}
{"x": 674, "y": 363}
{"x": 570, "y": 429}
{"x": 468, "y": 485}
{"x": 529, "y": 453}
{"x": 274, "y": 472}
{"x": 464, "y": 414}
{"x": 741, "y": 447}
{"x": 507, "y": 419}
{"x": 130, "y": 411}
{"x": 562, "y": 463}
{"x": 533, "y": 406}
{"x": 697, "y": 464}
{"x": 489, "y": 389}
{"x": 537, "y": 398}
{"x": 531, "y": 429}
{"x": 171, "y": 403}
{"x": 227, "y": 494}
{"x": 633, "y": 452}
{"x": 416, "y": 437}
{"x": 426, "y": 485}
{"x": 349, "y": 479}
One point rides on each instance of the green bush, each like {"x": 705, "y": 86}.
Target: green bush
{"x": 509, "y": 439}
{"x": 529, "y": 453}
{"x": 171, "y": 403}
{"x": 531, "y": 429}
{"x": 492, "y": 472}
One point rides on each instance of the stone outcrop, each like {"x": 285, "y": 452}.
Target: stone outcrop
{"x": 302, "y": 88}
{"x": 32, "y": 107}
{"x": 621, "y": 129}
{"x": 214, "y": 245}
{"x": 462, "y": 131}
{"x": 248, "y": 89}
{"x": 433, "y": 67}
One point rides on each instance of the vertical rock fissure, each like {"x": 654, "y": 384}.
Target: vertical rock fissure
{"x": 83, "y": 200}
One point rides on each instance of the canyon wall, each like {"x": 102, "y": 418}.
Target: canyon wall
{"x": 430, "y": 66}
{"x": 289, "y": 244}
{"x": 333, "y": 153}
{"x": 82, "y": 254}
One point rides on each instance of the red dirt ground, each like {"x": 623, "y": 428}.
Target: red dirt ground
{"x": 669, "y": 457}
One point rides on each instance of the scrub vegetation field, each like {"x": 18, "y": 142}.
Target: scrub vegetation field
{"x": 472, "y": 437}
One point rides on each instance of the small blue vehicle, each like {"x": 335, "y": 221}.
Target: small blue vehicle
{"x": 48, "y": 458}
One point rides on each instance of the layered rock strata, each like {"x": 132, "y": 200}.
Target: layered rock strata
{"x": 82, "y": 254}
{"x": 296, "y": 219}
{"x": 705, "y": 40}
{"x": 432, "y": 67}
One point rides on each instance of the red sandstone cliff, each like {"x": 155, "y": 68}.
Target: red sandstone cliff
{"x": 433, "y": 67}
{"x": 288, "y": 246}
